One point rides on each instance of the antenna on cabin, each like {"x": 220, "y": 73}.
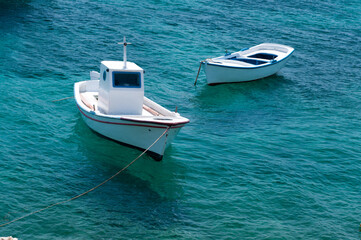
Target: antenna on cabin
{"x": 124, "y": 43}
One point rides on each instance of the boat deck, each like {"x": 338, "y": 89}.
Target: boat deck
{"x": 90, "y": 99}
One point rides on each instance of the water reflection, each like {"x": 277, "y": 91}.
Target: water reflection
{"x": 241, "y": 106}
{"x": 109, "y": 156}
{"x": 148, "y": 192}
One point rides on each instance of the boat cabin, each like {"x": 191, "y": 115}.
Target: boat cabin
{"x": 121, "y": 88}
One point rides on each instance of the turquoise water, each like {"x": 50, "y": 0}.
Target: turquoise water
{"x": 277, "y": 158}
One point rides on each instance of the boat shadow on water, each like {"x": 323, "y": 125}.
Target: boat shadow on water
{"x": 110, "y": 157}
{"x": 241, "y": 107}
{"x": 223, "y": 94}
{"x": 146, "y": 193}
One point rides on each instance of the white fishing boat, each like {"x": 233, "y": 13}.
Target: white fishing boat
{"x": 113, "y": 104}
{"x": 248, "y": 64}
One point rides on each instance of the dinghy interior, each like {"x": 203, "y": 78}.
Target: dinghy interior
{"x": 265, "y": 53}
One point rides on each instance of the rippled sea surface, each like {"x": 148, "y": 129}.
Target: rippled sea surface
{"x": 277, "y": 158}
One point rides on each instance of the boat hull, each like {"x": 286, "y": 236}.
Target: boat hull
{"x": 247, "y": 64}
{"x": 217, "y": 74}
{"x": 136, "y": 134}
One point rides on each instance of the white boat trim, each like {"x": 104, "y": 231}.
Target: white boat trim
{"x": 157, "y": 123}
{"x": 219, "y": 64}
{"x": 163, "y": 116}
{"x": 154, "y": 117}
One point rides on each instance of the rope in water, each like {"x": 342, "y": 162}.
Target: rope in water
{"x": 199, "y": 69}
{"x": 62, "y": 99}
{"x": 92, "y": 189}
{"x": 200, "y": 66}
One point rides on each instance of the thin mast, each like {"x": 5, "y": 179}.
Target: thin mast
{"x": 124, "y": 43}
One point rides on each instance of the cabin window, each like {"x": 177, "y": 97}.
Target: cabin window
{"x": 104, "y": 75}
{"x": 126, "y": 80}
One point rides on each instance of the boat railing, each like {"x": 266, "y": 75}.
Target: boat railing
{"x": 158, "y": 108}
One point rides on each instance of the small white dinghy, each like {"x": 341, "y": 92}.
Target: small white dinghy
{"x": 248, "y": 64}
{"x": 113, "y": 104}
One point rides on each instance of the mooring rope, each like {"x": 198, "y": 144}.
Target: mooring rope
{"x": 92, "y": 189}
{"x": 62, "y": 99}
{"x": 200, "y": 66}
{"x": 199, "y": 69}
